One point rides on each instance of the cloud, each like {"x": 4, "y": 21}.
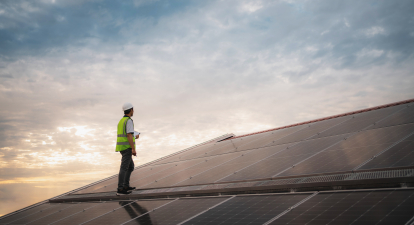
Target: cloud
{"x": 193, "y": 70}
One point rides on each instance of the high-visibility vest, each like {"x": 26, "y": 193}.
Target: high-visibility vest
{"x": 122, "y": 140}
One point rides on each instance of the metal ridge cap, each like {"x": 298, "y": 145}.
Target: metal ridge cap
{"x": 329, "y": 117}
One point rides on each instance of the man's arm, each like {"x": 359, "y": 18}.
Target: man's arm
{"x": 131, "y": 143}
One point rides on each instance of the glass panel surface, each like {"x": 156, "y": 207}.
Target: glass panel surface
{"x": 177, "y": 166}
{"x": 370, "y": 207}
{"x": 192, "y": 153}
{"x": 209, "y": 171}
{"x": 45, "y": 212}
{"x": 177, "y": 211}
{"x": 402, "y": 117}
{"x": 245, "y": 210}
{"x": 335, "y": 160}
{"x": 352, "y": 152}
{"x": 244, "y": 160}
{"x": 360, "y": 121}
{"x": 311, "y": 130}
{"x": 127, "y": 212}
{"x": 284, "y": 159}
{"x": 91, "y": 213}
{"x": 95, "y": 187}
{"x": 204, "y": 164}
{"x": 54, "y": 217}
{"x": 398, "y": 156}
{"x": 112, "y": 184}
{"x": 26, "y": 213}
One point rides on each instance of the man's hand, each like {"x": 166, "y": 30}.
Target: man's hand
{"x": 130, "y": 137}
{"x": 136, "y": 137}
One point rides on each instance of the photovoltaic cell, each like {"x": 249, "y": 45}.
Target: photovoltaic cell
{"x": 282, "y": 160}
{"x": 137, "y": 175}
{"x": 402, "y": 117}
{"x": 26, "y": 213}
{"x": 271, "y": 137}
{"x": 350, "y": 153}
{"x": 45, "y": 212}
{"x": 246, "y": 210}
{"x": 75, "y": 208}
{"x": 112, "y": 184}
{"x": 209, "y": 174}
{"x": 400, "y": 155}
{"x": 364, "y": 207}
{"x": 91, "y": 213}
{"x": 206, "y": 164}
{"x": 187, "y": 154}
{"x": 177, "y": 211}
{"x": 246, "y": 158}
{"x": 311, "y": 130}
{"x": 177, "y": 166}
{"x": 128, "y": 212}
{"x": 361, "y": 121}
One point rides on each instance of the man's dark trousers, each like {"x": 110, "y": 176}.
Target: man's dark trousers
{"x": 127, "y": 166}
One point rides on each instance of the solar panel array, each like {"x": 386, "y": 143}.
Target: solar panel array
{"x": 370, "y": 141}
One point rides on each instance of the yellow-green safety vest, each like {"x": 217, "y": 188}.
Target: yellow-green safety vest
{"x": 122, "y": 140}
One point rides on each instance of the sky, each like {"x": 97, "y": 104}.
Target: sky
{"x": 194, "y": 70}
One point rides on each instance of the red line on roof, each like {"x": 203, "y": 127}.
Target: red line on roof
{"x": 330, "y": 117}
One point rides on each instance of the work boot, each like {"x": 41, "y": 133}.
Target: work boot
{"x": 123, "y": 192}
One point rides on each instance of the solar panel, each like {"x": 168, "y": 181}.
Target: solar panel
{"x": 283, "y": 160}
{"x": 176, "y": 167}
{"x": 200, "y": 152}
{"x": 400, "y": 155}
{"x": 135, "y": 176}
{"x": 255, "y": 209}
{"x": 270, "y": 136}
{"x": 402, "y": 117}
{"x": 233, "y": 144}
{"x": 178, "y": 211}
{"x": 352, "y": 152}
{"x": 58, "y": 215}
{"x": 354, "y": 207}
{"x": 311, "y": 130}
{"x": 204, "y": 165}
{"x": 245, "y": 159}
{"x": 93, "y": 212}
{"x": 45, "y": 212}
{"x": 26, "y": 213}
{"x": 127, "y": 212}
{"x": 361, "y": 121}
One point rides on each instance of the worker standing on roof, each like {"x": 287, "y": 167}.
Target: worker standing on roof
{"x": 125, "y": 144}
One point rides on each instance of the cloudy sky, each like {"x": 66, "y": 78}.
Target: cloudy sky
{"x": 193, "y": 70}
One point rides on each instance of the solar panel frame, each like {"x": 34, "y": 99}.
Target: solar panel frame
{"x": 25, "y": 213}
{"x": 174, "y": 212}
{"x": 362, "y": 121}
{"x": 46, "y": 212}
{"x": 404, "y": 116}
{"x": 67, "y": 212}
{"x": 348, "y": 156}
{"x": 351, "y": 200}
{"x": 248, "y": 209}
{"x": 129, "y": 211}
{"x": 282, "y": 160}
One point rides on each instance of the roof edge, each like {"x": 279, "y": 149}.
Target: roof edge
{"x": 330, "y": 117}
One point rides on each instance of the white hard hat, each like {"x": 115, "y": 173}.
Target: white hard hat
{"x": 127, "y": 106}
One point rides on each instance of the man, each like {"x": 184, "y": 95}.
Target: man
{"x": 125, "y": 144}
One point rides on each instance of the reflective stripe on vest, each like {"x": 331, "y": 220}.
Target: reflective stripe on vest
{"x": 122, "y": 140}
